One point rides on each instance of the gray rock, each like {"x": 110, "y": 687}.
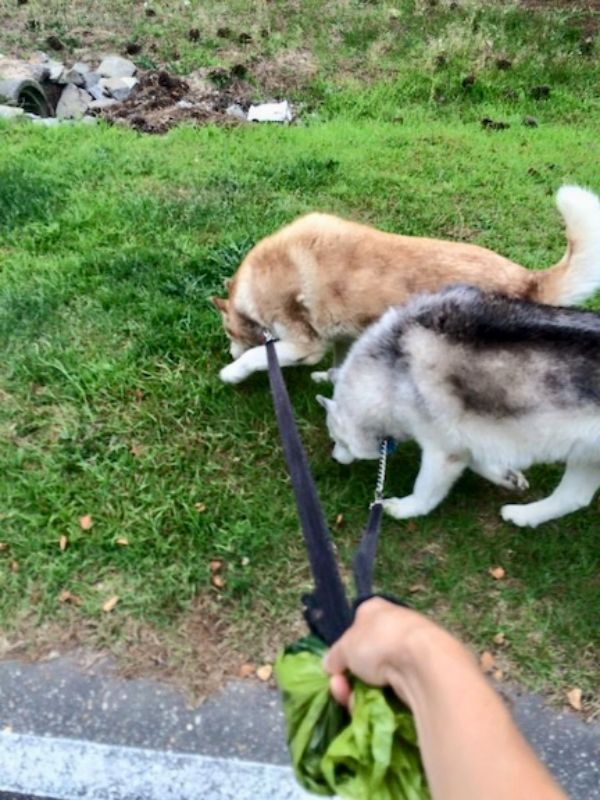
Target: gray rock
{"x": 119, "y": 88}
{"x": 82, "y": 67}
{"x": 48, "y": 122}
{"x": 73, "y": 103}
{"x": 104, "y": 102}
{"x": 235, "y": 110}
{"x": 114, "y": 66}
{"x": 10, "y": 112}
{"x": 91, "y": 79}
{"x": 55, "y": 70}
{"x": 96, "y": 91}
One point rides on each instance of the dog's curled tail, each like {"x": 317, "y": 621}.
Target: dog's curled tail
{"x": 577, "y": 275}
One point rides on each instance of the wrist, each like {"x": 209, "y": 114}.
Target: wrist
{"x": 431, "y": 660}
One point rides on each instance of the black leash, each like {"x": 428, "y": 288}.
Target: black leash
{"x": 327, "y": 611}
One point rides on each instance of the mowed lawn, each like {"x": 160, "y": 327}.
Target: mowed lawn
{"x": 111, "y": 245}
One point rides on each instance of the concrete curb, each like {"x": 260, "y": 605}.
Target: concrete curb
{"x": 63, "y": 769}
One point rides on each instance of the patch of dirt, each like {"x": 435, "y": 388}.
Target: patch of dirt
{"x": 197, "y": 654}
{"x": 568, "y": 5}
{"x": 589, "y": 22}
{"x": 161, "y": 100}
{"x": 288, "y": 71}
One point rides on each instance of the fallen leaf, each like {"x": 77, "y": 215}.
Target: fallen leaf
{"x": 136, "y": 450}
{"x": 246, "y": 670}
{"x": 123, "y": 541}
{"x": 14, "y": 566}
{"x": 264, "y": 673}
{"x": 3, "y": 546}
{"x": 218, "y": 581}
{"x": 498, "y": 675}
{"x": 200, "y": 507}
{"x": 110, "y": 603}
{"x": 68, "y": 597}
{"x": 486, "y": 661}
{"x": 574, "y": 698}
{"x": 497, "y": 573}
{"x": 245, "y": 561}
{"x": 63, "y": 543}
{"x": 86, "y": 522}
{"x": 339, "y": 520}
{"x": 500, "y": 638}
{"x": 417, "y": 587}
{"x": 215, "y": 566}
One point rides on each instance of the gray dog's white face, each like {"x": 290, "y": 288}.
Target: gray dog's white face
{"x": 350, "y": 441}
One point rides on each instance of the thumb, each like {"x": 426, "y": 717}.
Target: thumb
{"x": 334, "y": 660}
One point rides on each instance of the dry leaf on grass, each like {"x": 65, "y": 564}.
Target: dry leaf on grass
{"x": 14, "y": 566}
{"x": 63, "y": 543}
{"x": 3, "y": 546}
{"x": 264, "y": 673}
{"x": 486, "y": 661}
{"x": 218, "y": 581}
{"x": 68, "y": 597}
{"x": 497, "y": 573}
{"x": 110, "y": 603}
{"x": 246, "y": 670}
{"x": 339, "y": 520}
{"x": 123, "y": 541}
{"x": 574, "y": 698}
{"x": 86, "y": 522}
{"x": 200, "y": 507}
{"x": 500, "y": 638}
{"x": 136, "y": 450}
{"x": 215, "y": 565}
{"x": 417, "y": 587}
{"x": 498, "y": 675}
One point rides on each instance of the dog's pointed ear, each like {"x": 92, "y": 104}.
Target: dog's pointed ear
{"x": 325, "y": 402}
{"x": 333, "y": 374}
{"x": 221, "y": 303}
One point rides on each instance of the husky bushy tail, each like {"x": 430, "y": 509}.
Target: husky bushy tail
{"x": 577, "y": 275}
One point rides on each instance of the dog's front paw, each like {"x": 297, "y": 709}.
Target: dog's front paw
{"x": 516, "y": 480}
{"x": 232, "y": 373}
{"x": 403, "y": 507}
{"x": 520, "y": 515}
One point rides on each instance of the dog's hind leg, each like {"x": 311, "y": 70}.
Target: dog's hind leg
{"x": 438, "y": 472}
{"x": 255, "y": 360}
{"x": 508, "y": 478}
{"x": 576, "y": 490}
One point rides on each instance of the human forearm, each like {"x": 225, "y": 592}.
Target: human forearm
{"x": 470, "y": 746}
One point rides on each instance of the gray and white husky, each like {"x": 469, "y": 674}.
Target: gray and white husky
{"x": 478, "y": 380}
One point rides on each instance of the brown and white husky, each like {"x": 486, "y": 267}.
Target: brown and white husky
{"x": 322, "y": 280}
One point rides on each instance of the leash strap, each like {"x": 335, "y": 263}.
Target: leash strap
{"x": 364, "y": 557}
{"x": 327, "y": 610}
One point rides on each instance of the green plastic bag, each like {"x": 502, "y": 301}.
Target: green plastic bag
{"x": 372, "y": 755}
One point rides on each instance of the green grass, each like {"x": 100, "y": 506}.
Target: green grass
{"x": 111, "y": 244}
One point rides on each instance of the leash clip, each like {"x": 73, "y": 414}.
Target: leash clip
{"x": 383, "y": 452}
{"x": 268, "y": 336}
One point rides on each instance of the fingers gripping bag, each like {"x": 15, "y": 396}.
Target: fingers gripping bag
{"x": 370, "y": 755}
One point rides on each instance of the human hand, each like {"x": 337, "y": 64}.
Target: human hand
{"x": 386, "y": 644}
